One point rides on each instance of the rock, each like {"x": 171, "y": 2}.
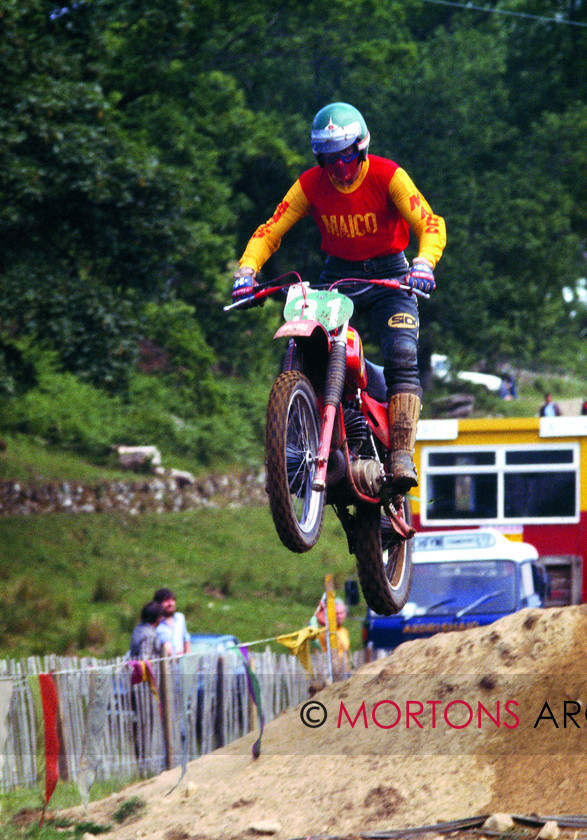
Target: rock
{"x": 189, "y": 790}
{"x": 265, "y": 827}
{"x": 549, "y": 831}
{"x": 172, "y": 490}
{"x": 455, "y": 405}
{"x": 135, "y": 457}
{"x": 498, "y": 823}
{"x": 182, "y": 477}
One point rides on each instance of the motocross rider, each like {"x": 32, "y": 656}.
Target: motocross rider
{"x": 364, "y": 207}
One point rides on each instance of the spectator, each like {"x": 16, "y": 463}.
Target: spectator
{"x": 583, "y": 406}
{"x": 144, "y": 641}
{"x": 145, "y": 645}
{"x": 549, "y": 408}
{"x": 342, "y": 634}
{"x": 172, "y": 629}
{"x": 507, "y": 390}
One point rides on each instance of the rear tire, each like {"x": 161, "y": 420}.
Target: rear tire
{"x": 292, "y": 437}
{"x": 384, "y": 560}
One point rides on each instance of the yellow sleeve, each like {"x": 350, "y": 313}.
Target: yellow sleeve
{"x": 267, "y": 238}
{"x": 428, "y": 227}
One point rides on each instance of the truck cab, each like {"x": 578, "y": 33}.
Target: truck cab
{"x": 462, "y": 579}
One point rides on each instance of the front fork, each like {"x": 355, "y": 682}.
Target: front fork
{"x": 335, "y": 376}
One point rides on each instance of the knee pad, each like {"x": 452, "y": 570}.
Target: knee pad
{"x": 401, "y": 367}
{"x": 401, "y": 354}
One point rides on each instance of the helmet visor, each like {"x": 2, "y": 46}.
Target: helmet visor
{"x": 334, "y": 138}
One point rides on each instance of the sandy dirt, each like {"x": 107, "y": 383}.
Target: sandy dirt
{"x": 478, "y": 739}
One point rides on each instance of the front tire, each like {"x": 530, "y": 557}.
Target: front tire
{"x": 384, "y": 560}
{"x": 292, "y": 437}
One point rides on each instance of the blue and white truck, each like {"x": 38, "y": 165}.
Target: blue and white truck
{"x": 462, "y": 579}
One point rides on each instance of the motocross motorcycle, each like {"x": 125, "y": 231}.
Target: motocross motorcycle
{"x": 327, "y": 438}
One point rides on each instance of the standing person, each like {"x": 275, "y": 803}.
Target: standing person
{"x": 364, "y": 207}
{"x": 144, "y": 641}
{"x": 549, "y": 408}
{"x": 172, "y": 629}
{"x": 342, "y": 634}
{"x": 145, "y": 646}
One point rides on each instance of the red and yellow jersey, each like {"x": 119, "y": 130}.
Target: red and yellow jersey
{"x": 371, "y": 218}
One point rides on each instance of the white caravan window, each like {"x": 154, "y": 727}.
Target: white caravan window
{"x": 489, "y": 484}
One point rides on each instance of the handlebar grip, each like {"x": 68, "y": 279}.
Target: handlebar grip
{"x": 257, "y": 297}
{"x": 413, "y": 291}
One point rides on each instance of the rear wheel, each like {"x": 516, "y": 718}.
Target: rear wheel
{"x": 384, "y": 560}
{"x": 292, "y": 436}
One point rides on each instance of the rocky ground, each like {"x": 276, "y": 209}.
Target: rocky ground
{"x": 459, "y": 725}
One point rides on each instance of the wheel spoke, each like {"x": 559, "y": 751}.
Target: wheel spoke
{"x": 292, "y": 443}
{"x": 302, "y": 443}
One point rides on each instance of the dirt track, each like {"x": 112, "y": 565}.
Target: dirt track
{"x": 454, "y": 760}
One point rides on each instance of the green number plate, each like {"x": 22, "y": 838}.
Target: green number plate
{"x": 331, "y": 309}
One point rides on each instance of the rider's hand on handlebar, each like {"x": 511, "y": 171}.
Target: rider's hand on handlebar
{"x": 421, "y": 277}
{"x": 244, "y": 283}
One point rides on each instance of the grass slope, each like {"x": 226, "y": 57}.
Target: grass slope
{"x": 75, "y": 583}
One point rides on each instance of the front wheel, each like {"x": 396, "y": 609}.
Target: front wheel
{"x": 384, "y": 560}
{"x": 292, "y": 437}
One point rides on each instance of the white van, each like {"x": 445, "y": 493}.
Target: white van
{"x": 461, "y": 579}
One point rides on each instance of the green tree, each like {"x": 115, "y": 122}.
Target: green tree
{"x": 143, "y": 142}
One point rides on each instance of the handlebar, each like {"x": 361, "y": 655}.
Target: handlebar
{"x": 387, "y": 282}
{"x": 265, "y": 290}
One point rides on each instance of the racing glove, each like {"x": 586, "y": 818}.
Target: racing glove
{"x": 421, "y": 277}
{"x": 244, "y": 281}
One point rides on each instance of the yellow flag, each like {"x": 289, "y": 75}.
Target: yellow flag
{"x": 298, "y": 643}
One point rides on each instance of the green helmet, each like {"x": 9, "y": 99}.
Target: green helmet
{"x": 337, "y": 126}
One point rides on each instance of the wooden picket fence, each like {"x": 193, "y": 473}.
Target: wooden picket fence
{"x": 194, "y": 705}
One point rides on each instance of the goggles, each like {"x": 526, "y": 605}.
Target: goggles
{"x": 338, "y": 156}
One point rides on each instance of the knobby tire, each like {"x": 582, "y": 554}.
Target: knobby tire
{"x": 384, "y": 561}
{"x": 292, "y": 436}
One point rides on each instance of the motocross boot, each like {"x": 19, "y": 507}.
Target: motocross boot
{"x": 404, "y": 410}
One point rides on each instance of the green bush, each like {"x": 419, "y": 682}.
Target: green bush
{"x": 189, "y": 361}
{"x": 16, "y": 374}
{"x": 91, "y": 329}
{"x": 64, "y": 411}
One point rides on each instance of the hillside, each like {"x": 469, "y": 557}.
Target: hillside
{"x": 346, "y": 781}
{"x": 75, "y": 583}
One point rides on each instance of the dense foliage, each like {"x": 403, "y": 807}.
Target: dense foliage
{"x": 142, "y": 142}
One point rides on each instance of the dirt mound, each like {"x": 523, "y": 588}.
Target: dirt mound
{"x": 462, "y": 724}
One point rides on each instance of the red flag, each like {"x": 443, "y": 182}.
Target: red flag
{"x": 49, "y": 700}
{"x": 142, "y": 671}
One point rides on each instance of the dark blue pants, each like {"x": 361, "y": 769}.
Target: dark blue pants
{"x": 392, "y": 314}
